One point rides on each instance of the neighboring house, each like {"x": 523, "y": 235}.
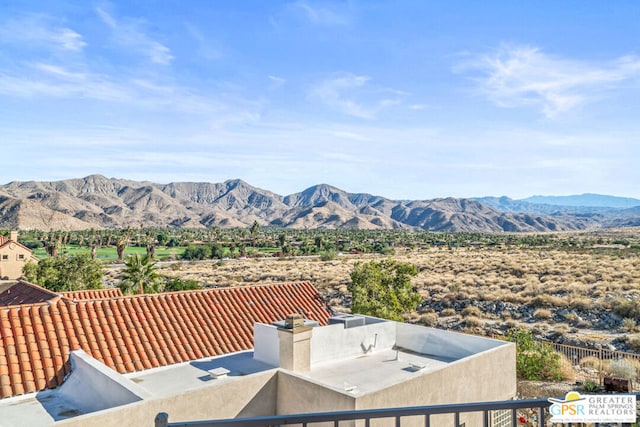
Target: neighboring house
{"x": 26, "y": 293}
{"x": 227, "y": 353}
{"x": 13, "y": 257}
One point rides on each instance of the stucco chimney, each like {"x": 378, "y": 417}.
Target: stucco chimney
{"x": 295, "y": 344}
{"x": 13, "y": 235}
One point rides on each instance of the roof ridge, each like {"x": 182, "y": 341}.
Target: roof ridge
{"x": 38, "y": 287}
{"x": 32, "y": 304}
{"x": 9, "y": 241}
{"x": 195, "y": 291}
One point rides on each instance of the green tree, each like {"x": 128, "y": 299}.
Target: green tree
{"x": 177, "y": 284}
{"x": 140, "y": 275}
{"x": 65, "y": 273}
{"x": 383, "y": 289}
{"x": 197, "y": 252}
{"x": 217, "y": 251}
{"x": 162, "y": 238}
{"x": 535, "y": 360}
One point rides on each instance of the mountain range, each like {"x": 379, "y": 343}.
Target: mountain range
{"x": 99, "y": 202}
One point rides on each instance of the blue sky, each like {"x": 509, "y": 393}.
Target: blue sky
{"x": 403, "y": 99}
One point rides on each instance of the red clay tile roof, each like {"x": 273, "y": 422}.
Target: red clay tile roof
{"x": 25, "y": 293}
{"x": 139, "y": 332}
{"x": 92, "y": 294}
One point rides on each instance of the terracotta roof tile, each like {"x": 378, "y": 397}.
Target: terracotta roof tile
{"x": 137, "y": 332}
{"x": 91, "y": 294}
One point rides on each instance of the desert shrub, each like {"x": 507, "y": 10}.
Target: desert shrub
{"x": 622, "y": 368}
{"x": 626, "y": 308}
{"x": 542, "y": 314}
{"x": 412, "y": 317}
{"x": 471, "y": 310}
{"x": 578, "y": 303}
{"x": 571, "y": 317}
{"x": 540, "y": 328}
{"x": 633, "y": 342}
{"x": 328, "y": 256}
{"x": 535, "y": 360}
{"x": 590, "y": 386}
{"x": 629, "y": 324}
{"x": 583, "y": 324}
{"x": 335, "y": 301}
{"x": 590, "y": 362}
{"x": 510, "y": 324}
{"x": 547, "y": 301}
{"x": 566, "y": 371}
{"x": 429, "y": 319}
{"x": 473, "y": 322}
{"x": 561, "y": 329}
{"x": 448, "y": 312}
{"x": 177, "y": 266}
{"x": 635, "y": 363}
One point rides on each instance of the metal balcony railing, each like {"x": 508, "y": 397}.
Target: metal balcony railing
{"x": 536, "y": 409}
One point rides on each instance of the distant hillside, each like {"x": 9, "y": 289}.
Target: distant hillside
{"x": 586, "y": 200}
{"x": 506, "y": 204}
{"x": 99, "y": 202}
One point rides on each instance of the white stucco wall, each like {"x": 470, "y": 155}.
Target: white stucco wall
{"x": 266, "y": 347}
{"x": 328, "y": 343}
{"x": 92, "y": 386}
{"x": 441, "y": 343}
{"x": 236, "y": 397}
{"x": 334, "y": 342}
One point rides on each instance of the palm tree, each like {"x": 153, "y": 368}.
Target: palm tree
{"x": 150, "y": 244}
{"x": 140, "y": 274}
{"x": 121, "y": 245}
{"x": 254, "y": 232}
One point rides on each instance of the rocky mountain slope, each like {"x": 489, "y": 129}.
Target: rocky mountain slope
{"x": 99, "y": 202}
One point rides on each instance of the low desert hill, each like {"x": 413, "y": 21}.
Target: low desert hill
{"x": 99, "y": 202}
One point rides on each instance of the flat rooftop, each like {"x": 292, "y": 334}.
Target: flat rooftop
{"x": 356, "y": 361}
{"x": 376, "y": 371}
{"x": 169, "y": 380}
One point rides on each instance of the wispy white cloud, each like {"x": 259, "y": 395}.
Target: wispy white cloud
{"x": 323, "y": 16}
{"x": 42, "y": 31}
{"x": 50, "y": 80}
{"x": 353, "y": 95}
{"x": 521, "y": 76}
{"x": 276, "y": 82}
{"x": 129, "y": 33}
{"x": 205, "y": 47}
{"x": 58, "y": 71}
